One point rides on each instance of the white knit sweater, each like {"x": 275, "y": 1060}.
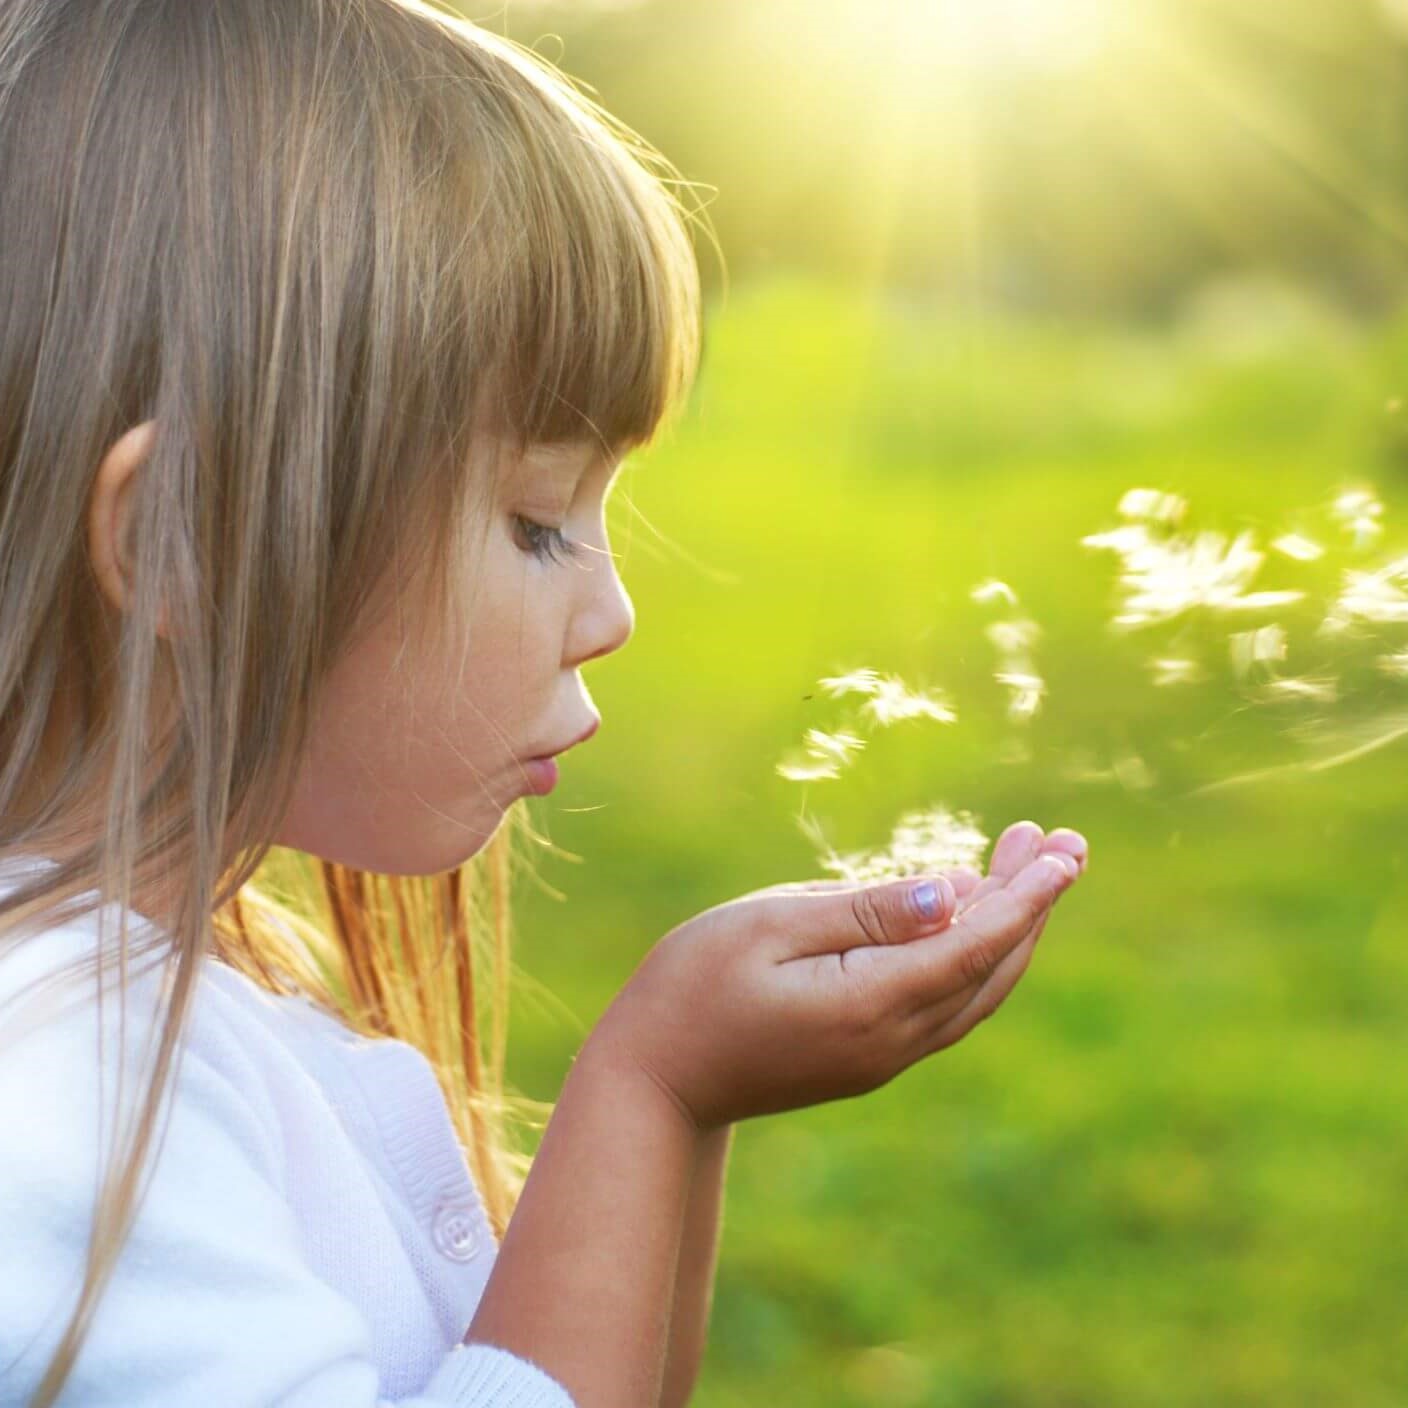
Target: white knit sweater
{"x": 310, "y": 1238}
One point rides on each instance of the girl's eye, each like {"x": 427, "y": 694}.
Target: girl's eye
{"x": 544, "y": 542}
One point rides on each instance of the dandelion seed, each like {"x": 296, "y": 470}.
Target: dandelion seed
{"x": 1260, "y": 647}
{"x": 1128, "y": 540}
{"x": 1152, "y": 506}
{"x": 1358, "y": 512}
{"x": 1165, "y": 578}
{"x": 894, "y": 702}
{"x": 1365, "y": 531}
{"x": 993, "y": 590}
{"x": 1028, "y": 690}
{"x": 1300, "y": 549}
{"x": 1317, "y": 691}
{"x": 1013, "y": 637}
{"x": 856, "y": 682}
{"x": 808, "y": 770}
{"x": 1170, "y": 670}
{"x": 835, "y": 747}
{"x": 1013, "y": 641}
{"x": 1357, "y": 503}
{"x": 1379, "y": 597}
{"x": 824, "y": 757}
{"x": 922, "y": 842}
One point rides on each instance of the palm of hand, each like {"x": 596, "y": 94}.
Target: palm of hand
{"x": 807, "y": 992}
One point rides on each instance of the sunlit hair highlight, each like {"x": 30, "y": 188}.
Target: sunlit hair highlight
{"x": 344, "y": 254}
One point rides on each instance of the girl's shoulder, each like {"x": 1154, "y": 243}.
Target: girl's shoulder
{"x": 52, "y": 974}
{"x": 79, "y": 1034}
{"x": 306, "y": 1194}
{"x": 276, "y": 1071}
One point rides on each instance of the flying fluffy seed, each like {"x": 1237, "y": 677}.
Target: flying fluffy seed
{"x": 893, "y": 702}
{"x": 1165, "y": 577}
{"x": 922, "y": 843}
{"x": 1152, "y": 506}
{"x": 993, "y": 590}
{"x": 855, "y": 682}
{"x": 1298, "y": 548}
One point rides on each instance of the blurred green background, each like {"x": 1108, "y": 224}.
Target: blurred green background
{"x": 991, "y": 263}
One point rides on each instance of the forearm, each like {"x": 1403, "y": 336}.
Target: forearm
{"x": 698, "y": 1260}
{"x": 585, "y": 1277}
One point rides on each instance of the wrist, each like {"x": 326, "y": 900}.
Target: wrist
{"x": 604, "y": 1059}
{"x": 584, "y": 1281}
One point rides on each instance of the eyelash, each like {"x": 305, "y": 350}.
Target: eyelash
{"x": 546, "y": 543}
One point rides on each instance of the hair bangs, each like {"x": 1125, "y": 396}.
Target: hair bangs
{"x": 590, "y": 329}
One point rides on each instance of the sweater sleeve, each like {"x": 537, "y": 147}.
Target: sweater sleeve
{"x": 212, "y": 1300}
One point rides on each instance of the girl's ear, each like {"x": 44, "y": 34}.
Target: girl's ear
{"x": 108, "y": 516}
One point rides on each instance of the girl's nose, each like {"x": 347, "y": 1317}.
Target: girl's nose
{"x": 607, "y": 618}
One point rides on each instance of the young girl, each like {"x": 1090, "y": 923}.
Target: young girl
{"x": 326, "y": 324}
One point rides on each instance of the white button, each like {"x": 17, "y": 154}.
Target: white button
{"x": 454, "y": 1231}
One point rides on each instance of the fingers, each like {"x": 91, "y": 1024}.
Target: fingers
{"x": 1071, "y": 843}
{"x": 932, "y": 972}
{"x": 1069, "y": 846}
{"x": 832, "y": 921}
{"x": 1017, "y": 847}
{"x": 818, "y": 917}
{"x": 964, "y": 881}
{"x": 951, "y": 1027}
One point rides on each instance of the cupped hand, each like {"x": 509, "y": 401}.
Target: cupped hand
{"x": 804, "y": 993}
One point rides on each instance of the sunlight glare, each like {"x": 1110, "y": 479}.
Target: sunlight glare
{"x": 1395, "y": 12}
{"x": 1050, "y": 34}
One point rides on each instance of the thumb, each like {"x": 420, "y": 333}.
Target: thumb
{"x": 862, "y": 916}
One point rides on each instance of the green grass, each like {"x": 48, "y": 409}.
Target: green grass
{"x": 1169, "y": 1171}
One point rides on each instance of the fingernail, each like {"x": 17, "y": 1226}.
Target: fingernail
{"x": 1070, "y": 866}
{"x": 932, "y": 897}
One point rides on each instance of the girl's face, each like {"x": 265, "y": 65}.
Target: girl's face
{"x": 413, "y": 762}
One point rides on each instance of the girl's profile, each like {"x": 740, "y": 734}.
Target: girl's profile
{"x": 327, "y": 327}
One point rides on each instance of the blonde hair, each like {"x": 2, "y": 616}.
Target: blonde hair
{"x": 331, "y": 248}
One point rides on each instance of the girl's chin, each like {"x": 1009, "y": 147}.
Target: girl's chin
{"x": 435, "y": 851}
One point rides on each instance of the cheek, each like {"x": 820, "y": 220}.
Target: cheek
{"x": 439, "y": 714}
{"x": 399, "y": 763}
{"x": 409, "y": 748}
{"x": 514, "y": 648}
